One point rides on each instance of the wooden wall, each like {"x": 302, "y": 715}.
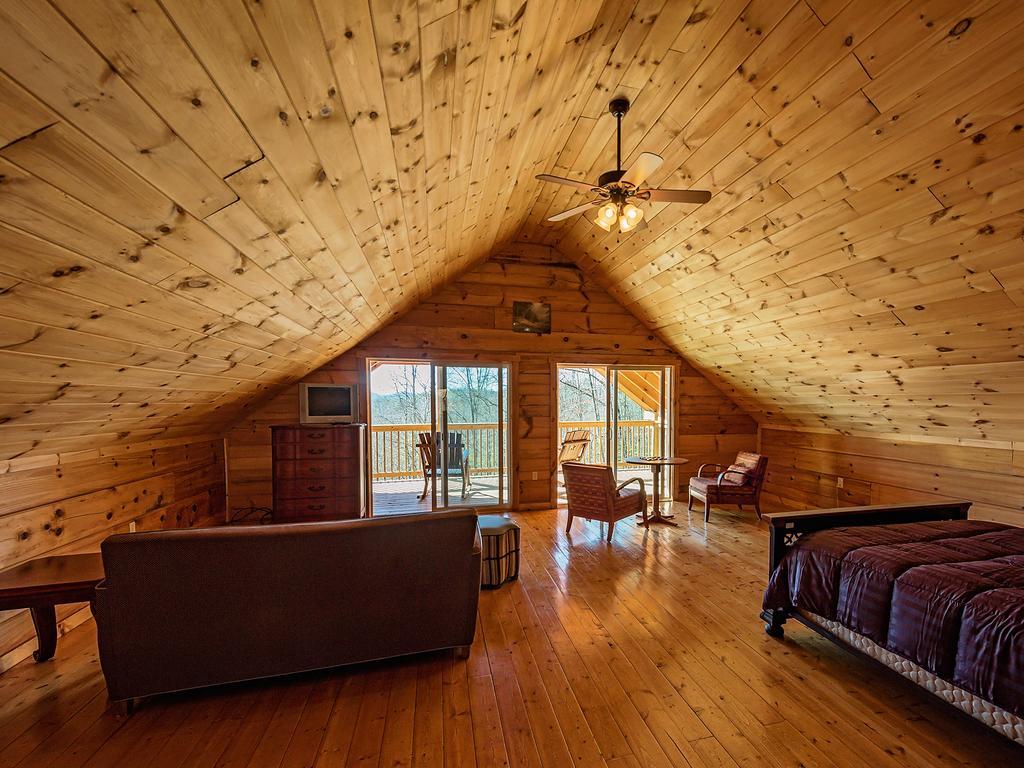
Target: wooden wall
{"x": 68, "y": 504}
{"x": 804, "y": 468}
{"x": 469, "y": 320}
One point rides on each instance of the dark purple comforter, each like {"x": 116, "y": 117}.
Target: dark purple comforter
{"x": 948, "y": 595}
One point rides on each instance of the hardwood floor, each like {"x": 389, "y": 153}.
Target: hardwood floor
{"x": 645, "y": 652}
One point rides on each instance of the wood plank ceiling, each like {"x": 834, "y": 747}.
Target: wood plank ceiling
{"x": 200, "y": 201}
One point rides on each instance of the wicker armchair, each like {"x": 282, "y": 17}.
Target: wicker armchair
{"x": 592, "y": 494}
{"x": 739, "y": 483}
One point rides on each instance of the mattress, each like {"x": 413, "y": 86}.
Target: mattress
{"x": 948, "y": 596}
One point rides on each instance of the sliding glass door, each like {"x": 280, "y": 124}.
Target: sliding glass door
{"x": 470, "y": 417}
{"x": 608, "y": 413}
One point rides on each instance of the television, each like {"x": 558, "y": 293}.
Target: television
{"x": 327, "y": 403}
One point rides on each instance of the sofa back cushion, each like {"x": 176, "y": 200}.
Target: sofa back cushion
{"x": 185, "y": 608}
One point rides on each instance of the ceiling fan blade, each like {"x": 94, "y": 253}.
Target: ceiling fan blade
{"x": 573, "y": 211}
{"x": 643, "y": 166}
{"x": 567, "y": 182}
{"x": 675, "y": 195}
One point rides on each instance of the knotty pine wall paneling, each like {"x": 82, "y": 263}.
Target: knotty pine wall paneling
{"x": 65, "y": 504}
{"x": 469, "y": 320}
{"x": 804, "y": 468}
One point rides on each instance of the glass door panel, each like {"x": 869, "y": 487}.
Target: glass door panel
{"x": 471, "y": 430}
{"x": 400, "y": 414}
{"x": 640, "y": 422}
{"x": 583, "y": 417}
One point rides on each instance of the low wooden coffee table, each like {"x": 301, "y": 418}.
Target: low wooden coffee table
{"x": 42, "y": 584}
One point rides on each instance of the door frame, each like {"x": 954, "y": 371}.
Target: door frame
{"x": 673, "y": 401}
{"x": 364, "y": 361}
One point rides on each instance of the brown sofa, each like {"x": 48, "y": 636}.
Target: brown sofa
{"x": 192, "y": 608}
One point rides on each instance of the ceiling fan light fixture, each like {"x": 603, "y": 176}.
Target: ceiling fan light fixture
{"x": 606, "y": 216}
{"x": 633, "y": 213}
{"x": 630, "y": 217}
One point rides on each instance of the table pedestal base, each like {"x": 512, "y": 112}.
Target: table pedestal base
{"x": 656, "y": 518}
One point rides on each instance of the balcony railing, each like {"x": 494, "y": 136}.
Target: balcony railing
{"x": 396, "y": 457}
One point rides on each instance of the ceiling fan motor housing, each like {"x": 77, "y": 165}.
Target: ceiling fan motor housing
{"x": 609, "y": 177}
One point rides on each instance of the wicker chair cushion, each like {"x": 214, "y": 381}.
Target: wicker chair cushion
{"x": 743, "y": 478}
{"x": 629, "y": 500}
{"x": 702, "y": 483}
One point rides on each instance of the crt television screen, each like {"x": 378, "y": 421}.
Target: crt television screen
{"x": 329, "y": 401}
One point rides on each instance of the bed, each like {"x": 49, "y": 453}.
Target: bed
{"x": 918, "y": 588}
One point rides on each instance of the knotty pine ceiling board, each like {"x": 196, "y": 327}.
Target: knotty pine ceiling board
{"x": 202, "y": 201}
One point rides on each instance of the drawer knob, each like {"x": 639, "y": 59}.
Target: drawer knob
{"x": 316, "y": 507}
{"x": 316, "y": 487}
{"x": 316, "y": 451}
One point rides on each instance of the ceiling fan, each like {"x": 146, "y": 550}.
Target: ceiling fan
{"x": 617, "y": 189}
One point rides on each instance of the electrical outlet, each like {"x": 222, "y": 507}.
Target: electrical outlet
{"x": 131, "y": 527}
{"x": 534, "y": 475}
{"x": 839, "y": 482}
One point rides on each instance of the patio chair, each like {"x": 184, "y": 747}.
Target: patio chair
{"x": 738, "y": 484}
{"x": 592, "y": 493}
{"x": 574, "y": 445}
{"x": 457, "y": 464}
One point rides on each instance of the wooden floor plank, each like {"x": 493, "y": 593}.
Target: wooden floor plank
{"x": 643, "y": 652}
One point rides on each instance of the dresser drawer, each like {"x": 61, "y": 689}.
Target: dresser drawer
{"x": 305, "y": 488}
{"x": 301, "y": 468}
{"x": 307, "y": 436}
{"x": 292, "y": 451}
{"x": 308, "y": 510}
{"x": 285, "y": 509}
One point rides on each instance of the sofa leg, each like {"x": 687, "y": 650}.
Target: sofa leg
{"x": 461, "y": 651}
{"x": 127, "y": 707}
{"x": 689, "y": 503}
{"x": 568, "y": 524}
{"x": 611, "y": 530}
{"x": 707, "y": 510}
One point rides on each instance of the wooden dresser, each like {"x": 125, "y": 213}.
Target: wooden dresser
{"x": 318, "y": 472}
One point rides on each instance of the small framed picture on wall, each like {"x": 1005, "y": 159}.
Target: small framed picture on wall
{"x": 531, "y": 317}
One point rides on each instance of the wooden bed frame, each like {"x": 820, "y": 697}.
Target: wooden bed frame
{"x": 787, "y": 527}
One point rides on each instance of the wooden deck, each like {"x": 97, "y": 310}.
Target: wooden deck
{"x": 394, "y": 497}
{"x": 644, "y": 652}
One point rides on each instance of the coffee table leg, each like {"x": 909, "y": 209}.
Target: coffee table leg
{"x": 45, "y": 619}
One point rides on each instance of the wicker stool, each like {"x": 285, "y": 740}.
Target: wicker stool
{"x": 499, "y": 537}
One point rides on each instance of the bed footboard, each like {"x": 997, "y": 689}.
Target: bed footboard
{"x": 786, "y": 529}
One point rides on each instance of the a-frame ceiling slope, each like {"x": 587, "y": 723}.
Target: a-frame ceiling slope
{"x": 861, "y": 264}
{"x": 201, "y": 200}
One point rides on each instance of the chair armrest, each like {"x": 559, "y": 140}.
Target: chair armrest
{"x": 640, "y": 480}
{"x": 718, "y": 481}
{"x": 700, "y": 472}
